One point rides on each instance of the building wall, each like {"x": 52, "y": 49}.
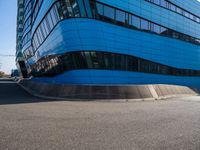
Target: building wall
{"x": 85, "y": 34}
{"x": 161, "y": 15}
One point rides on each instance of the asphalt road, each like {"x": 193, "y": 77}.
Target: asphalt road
{"x": 29, "y": 123}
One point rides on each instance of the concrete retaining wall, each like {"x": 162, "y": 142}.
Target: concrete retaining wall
{"x": 106, "y": 92}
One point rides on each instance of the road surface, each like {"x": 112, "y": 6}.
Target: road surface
{"x": 29, "y": 123}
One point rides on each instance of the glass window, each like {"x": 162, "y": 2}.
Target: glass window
{"x": 187, "y": 14}
{"x": 109, "y": 12}
{"x": 74, "y": 63}
{"x": 120, "y": 16}
{"x": 109, "y": 60}
{"x": 153, "y": 67}
{"x": 156, "y": 2}
{"x": 53, "y": 17}
{"x": 183, "y": 12}
{"x": 163, "y": 31}
{"x": 144, "y": 24}
{"x": 118, "y": 62}
{"x": 175, "y": 35}
{"x": 46, "y": 26}
{"x": 178, "y": 10}
{"x": 99, "y": 9}
{"x": 195, "y": 18}
{"x": 88, "y": 58}
{"x": 172, "y": 7}
{"x": 75, "y": 8}
{"x": 155, "y": 28}
{"x": 163, "y": 3}
{"x": 127, "y": 18}
{"x": 48, "y": 23}
{"x": 36, "y": 41}
{"x": 55, "y": 12}
{"x": 144, "y": 66}
{"x": 198, "y": 41}
{"x": 101, "y": 58}
{"x": 95, "y": 60}
{"x": 191, "y": 16}
{"x": 80, "y": 59}
{"x": 34, "y": 45}
{"x": 43, "y": 29}
{"x": 82, "y": 8}
{"x": 39, "y": 37}
{"x": 69, "y": 8}
{"x": 167, "y": 5}
{"x": 62, "y": 13}
{"x": 135, "y": 21}
{"x": 198, "y": 20}
{"x": 65, "y": 61}
{"x": 41, "y": 33}
{"x": 132, "y": 63}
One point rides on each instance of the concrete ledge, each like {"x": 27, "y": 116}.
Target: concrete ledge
{"x": 96, "y": 92}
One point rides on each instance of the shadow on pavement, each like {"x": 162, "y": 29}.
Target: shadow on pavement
{"x": 12, "y": 93}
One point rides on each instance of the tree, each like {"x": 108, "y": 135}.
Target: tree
{"x": 3, "y": 75}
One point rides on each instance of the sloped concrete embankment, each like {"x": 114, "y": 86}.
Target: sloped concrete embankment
{"x": 140, "y": 92}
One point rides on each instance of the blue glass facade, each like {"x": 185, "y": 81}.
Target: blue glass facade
{"x": 112, "y": 42}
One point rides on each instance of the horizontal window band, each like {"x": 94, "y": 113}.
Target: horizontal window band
{"x": 176, "y": 9}
{"x": 120, "y": 17}
{"x": 57, "y": 64}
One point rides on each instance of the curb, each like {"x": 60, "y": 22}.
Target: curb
{"x": 75, "y": 99}
{"x": 155, "y": 98}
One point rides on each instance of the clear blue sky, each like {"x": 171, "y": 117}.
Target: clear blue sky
{"x": 8, "y": 13}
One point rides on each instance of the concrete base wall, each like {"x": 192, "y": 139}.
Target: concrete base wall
{"x": 106, "y": 92}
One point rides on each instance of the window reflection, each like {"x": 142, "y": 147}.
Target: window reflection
{"x": 120, "y": 16}
{"x": 56, "y": 64}
{"x": 70, "y": 8}
{"x": 144, "y": 25}
{"x": 135, "y": 21}
{"x": 99, "y": 9}
{"x": 109, "y": 12}
{"x": 174, "y": 8}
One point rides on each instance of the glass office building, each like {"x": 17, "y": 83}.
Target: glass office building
{"x": 111, "y": 42}
{"x": 20, "y": 61}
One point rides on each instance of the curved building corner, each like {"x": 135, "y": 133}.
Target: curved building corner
{"x": 111, "y": 42}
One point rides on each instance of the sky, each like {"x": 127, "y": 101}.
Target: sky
{"x": 8, "y": 13}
